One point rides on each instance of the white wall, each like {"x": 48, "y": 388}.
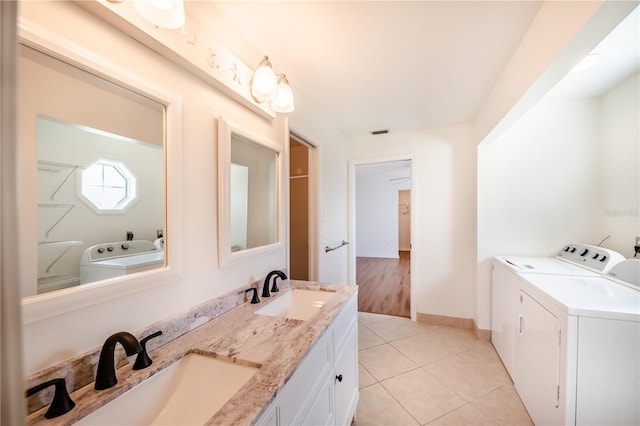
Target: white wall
{"x": 555, "y": 177}
{"x": 376, "y": 215}
{"x": 201, "y": 278}
{"x": 620, "y": 159}
{"x": 443, "y": 259}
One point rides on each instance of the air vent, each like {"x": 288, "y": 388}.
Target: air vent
{"x": 380, "y": 132}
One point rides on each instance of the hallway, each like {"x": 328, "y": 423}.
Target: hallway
{"x": 384, "y": 285}
{"x": 421, "y": 374}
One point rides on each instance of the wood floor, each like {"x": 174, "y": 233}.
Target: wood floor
{"x": 384, "y": 285}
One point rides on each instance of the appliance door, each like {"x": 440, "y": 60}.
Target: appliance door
{"x": 538, "y": 361}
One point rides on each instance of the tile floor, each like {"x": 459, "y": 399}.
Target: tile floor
{"x": 420, "y": 374}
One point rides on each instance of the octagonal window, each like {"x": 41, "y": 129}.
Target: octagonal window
{"x": 108, "y": 187}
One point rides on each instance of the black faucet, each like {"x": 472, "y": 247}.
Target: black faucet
{"x": 106, "y": 374}
{"x": 61, "y": 402}
{"x": 274, "y": 288}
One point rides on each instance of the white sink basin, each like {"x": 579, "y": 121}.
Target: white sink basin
{"x": 188, "y": 392}
{"x": 296, "y": 304}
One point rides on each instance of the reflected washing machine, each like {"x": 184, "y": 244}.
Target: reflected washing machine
{"x": 115, "y": 259}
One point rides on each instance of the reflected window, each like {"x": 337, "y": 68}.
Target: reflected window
{"x": 108, "y": 187}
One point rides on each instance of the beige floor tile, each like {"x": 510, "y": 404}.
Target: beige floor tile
{"x": 397, "y": 328}
{"x": 504, "y": 406}
{"x": 377, "y": 407}
{"x": 468, "y": 379}
{"x": 424, "y": 397}
{"x": 384, "y": 361}
{"x": 367, "y": 338}
{"x": 433, "y": 345}
{"x": 369, "y": 318}
{"x": 484, "y": 355}
{"x": 466, "y": 415}
{"x": 364, "y": 378}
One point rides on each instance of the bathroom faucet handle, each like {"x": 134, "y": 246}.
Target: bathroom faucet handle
{"x": 254, "y": 299}
{"x": 61, "y": 402}
{"x": 143, "y": 360}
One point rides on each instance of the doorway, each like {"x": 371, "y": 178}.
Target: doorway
{"x": 381, "y": 228}
{"x": 302, "y": 202}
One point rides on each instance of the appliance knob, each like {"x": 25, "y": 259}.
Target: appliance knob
{"x": 110, "y": 248}
{"x": 100, "y": 250}
{"x": 567, "y": 248}
{"x": 573, "y": 250}
{"x": 595, "y": 256}
{"x": 604, "y": 257}
{"x": 584, "y": 253}
{"x": 125, "y": 246}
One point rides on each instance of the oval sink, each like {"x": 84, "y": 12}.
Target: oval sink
{"x": 296, "y": 304}
{"x": 189, "y": 391}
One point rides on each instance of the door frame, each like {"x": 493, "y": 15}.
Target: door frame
{"x": 351, "y": 273}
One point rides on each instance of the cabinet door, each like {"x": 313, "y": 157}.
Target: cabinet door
{"x": 538, "y": 361}
{"x": 269, "y": 417}
{"x": 300, "y": 391}
{"x": 321, "y": 411}
{"x": 346, "y": 379}
{"x": 504, "y": 315}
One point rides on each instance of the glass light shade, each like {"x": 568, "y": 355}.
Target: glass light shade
{"x": 162, "y": 13}
{"x": 283, "y": 102}
{"x": 264, "y": 82}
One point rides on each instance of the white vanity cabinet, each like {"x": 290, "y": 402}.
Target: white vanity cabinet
{"x": 324, "y": 388}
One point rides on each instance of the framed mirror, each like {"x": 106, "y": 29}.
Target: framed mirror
{"x": 100, "y": 150}
{"x": 249, "y": 193}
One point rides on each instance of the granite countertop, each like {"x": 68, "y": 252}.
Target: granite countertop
{"x": 276, "y": 344}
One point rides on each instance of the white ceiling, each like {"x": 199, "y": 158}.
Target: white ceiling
{"x": 403, "y": 66}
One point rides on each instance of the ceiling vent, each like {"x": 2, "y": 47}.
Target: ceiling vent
{"x": 380, "y": 132}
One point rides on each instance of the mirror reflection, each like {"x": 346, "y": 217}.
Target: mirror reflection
{"x": 253, "y": 194}
{"x": 100, "y": 196}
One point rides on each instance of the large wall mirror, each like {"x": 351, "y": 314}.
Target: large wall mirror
{"x": 249, "y": 176}
{"x": 97, "y": 144}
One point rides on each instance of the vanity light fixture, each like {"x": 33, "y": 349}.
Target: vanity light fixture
{"x": 162, "y": 13}
{"x": 283, "y": 102}
{"x": 264, "y": 81}
{"x": 267, "y": 86}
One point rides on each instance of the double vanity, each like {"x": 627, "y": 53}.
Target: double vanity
{"x": 291, "y": 359}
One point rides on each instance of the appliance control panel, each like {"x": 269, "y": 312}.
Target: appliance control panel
{"x": 598, "y": 259}
{"x": 120, "y": 249}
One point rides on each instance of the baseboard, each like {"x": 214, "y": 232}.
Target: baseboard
{"x": 465, "y": 323}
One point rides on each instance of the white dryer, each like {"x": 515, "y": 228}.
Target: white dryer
{"x": 572, "y": 260}
{"x": 578, "y": 347}
{"x": 114, "y": 259}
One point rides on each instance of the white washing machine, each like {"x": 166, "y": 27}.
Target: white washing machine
{"x": 572, "y": 260}
{"x": 119, "y": 258}
{"x": 578, "y": 347}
